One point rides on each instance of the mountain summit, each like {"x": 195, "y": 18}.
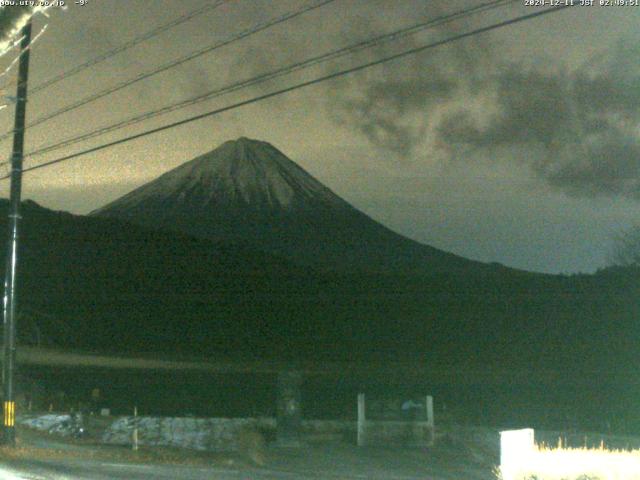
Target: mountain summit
{"x": 248, "y": 191}
{"x": 240, "y": 176}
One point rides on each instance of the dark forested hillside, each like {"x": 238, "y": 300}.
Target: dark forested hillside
{"x": 98, "y": 284}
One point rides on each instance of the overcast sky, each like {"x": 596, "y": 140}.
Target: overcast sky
{"x": 519, "y": 146}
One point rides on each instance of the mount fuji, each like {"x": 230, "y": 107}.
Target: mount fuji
{"x": 247, "y": 191}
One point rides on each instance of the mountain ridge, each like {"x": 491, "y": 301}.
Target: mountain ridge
{"x": 234, "y": 171}
{"x": 249, "y": 191}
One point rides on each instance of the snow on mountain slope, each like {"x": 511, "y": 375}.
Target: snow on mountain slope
{"x": 242, "y": 173}
{"x": 248, "y": 191}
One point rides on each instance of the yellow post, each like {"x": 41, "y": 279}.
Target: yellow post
{"x": 9, "y": 414}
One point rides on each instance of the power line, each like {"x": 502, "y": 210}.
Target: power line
{"x": 300, "y": 85}
{"x": 173, "y": 64}
{"x": 125, "y": 46}
{"x": 332, "y": 55}
{"x": 130, "y": 44}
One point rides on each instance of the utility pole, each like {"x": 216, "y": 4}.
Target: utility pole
{"x": 9, "y": 304}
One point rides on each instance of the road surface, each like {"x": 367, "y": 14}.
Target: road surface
{"x": 309, "y": 463}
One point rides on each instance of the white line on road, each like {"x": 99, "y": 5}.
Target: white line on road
{"x": 6, "y": 474}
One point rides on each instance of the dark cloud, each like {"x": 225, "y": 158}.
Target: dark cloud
{"x": 608, "y": 163}
{"x": 584, "y": 125}
{"x": 395, "y": 113}
{"x": 533, "y": 107}
{"x": 254, "y": 62}
{"x": 577, "y": 129}
{"x": 610, "y": 84}
{"x": 377, "y": 112}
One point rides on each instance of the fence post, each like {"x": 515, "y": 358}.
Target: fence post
{"x": 362, "y": 419}
{"x": 430, "y": 420}
{"x": 288, "y": 409}
{"x": 135, "y": 428}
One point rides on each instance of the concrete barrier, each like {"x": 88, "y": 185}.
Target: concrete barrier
{"x": 206, "y": 434}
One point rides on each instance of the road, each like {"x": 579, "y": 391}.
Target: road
{"x": 85, "y": 470}
{"x": 309, "y": 463}
{"x": 81, "y": 470}
{"x": 462, "y": 454}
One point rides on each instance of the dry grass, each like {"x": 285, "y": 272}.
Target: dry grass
{"x": 252, "y": 447}
{"x": 562, "y": 463}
